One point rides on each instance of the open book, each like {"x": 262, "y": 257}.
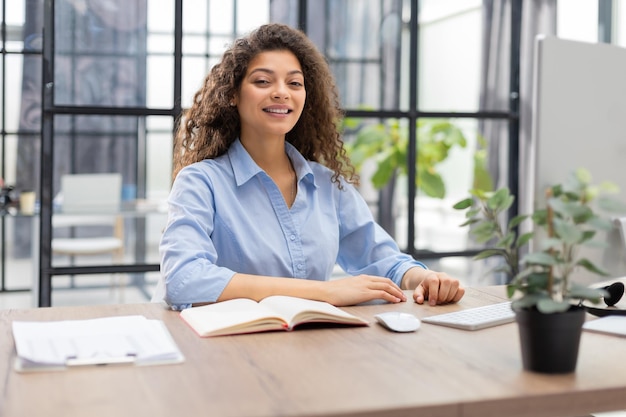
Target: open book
{"x": 277, "y": 312}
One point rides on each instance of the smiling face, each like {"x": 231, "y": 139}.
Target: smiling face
{"x": 271, "y": 96}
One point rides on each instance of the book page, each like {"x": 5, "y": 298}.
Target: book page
{"x": 240, "y": 315}
{"x": 300, "y": 310}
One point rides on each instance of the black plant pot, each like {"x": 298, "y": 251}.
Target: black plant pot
{"x": 549, "y": 342}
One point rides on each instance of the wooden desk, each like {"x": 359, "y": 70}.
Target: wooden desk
{"x": 365, "y": 371}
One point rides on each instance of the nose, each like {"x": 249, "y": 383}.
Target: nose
{"x": 281, "y": 92}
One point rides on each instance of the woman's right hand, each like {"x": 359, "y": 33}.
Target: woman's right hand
{"x": 361, "y": 288}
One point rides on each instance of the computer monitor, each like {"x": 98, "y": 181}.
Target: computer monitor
{"x": 84, "y": 193}
{"x": 579, "y": 121}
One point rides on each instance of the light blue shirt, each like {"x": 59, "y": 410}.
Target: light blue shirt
{"x": 227, "y": 216}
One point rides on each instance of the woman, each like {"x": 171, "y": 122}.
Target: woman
{"x": 264, "y": 193}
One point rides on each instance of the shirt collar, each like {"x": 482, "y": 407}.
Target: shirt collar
{"x": 245, "y": 168}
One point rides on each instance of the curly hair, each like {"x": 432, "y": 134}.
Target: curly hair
{"x": 208, "y": 128}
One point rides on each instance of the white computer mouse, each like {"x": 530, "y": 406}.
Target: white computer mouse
{"x": 398, "y": 321}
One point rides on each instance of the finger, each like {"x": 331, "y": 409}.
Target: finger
{"x": 460, "y": 292}
{"x": 391, "y": 288}
{"x": 433, "y": 291}
{"x": 447, "y": 290}
{"x": 384, "y": 295}
{"x": 418, "y": 294}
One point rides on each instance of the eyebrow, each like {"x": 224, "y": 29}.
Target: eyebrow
{"x": 269, "y": 71}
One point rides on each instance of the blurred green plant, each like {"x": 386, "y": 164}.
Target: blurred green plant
{"x": 387, "y": 145}
{"x": 570, "y": 220}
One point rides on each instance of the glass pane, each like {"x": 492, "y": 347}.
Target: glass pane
{"x": 194, "y": 72}
{"x": 23, "y": 32}
{"x": 577, "y": 20}
{"x": 465, "y": 166}
{"x": 362, "y": 41}
{"x": 19, "y": 264}
{"x": 450, "y": 54}
{"x": 9, "y": 162}
{"x": 377, "y": 149}
{"x": 221, "y": 16}
{"x": 15, "y": 10}
{"x": 159, "y": 43}
{"x": 251, "y": 13}
{"x": 159, "y": 145}
{"x": 160, "y": 82}
{"x": 160, "y": 16}
{"x": 23, "y": 92}
{"x": 195, "y": 16}
{"x": 194, "y": 44}
{"x": 100, "y": 54}
{"x": 111, "y": 144}
{"x": 90, "y": 144}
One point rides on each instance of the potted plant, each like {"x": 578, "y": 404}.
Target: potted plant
{"x": 547, "y": 302}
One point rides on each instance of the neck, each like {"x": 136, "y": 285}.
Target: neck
{"x": 268, "y": 154}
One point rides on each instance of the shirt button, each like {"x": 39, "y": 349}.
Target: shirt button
{"x": 300, "y": 266}
{"x": 292, "y": 237}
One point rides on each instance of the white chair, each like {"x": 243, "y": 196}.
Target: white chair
{"x": 90, "y": 202}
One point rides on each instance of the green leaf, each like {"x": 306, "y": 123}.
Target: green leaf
{"x": 549, "y": 306}
{"x": 590, "y": 266}
{"x": 469, "y": 222}
{"x": 528, "y": 300}
{"x": 506, "y": 241}
{"x": 432, "y": 184}
{"x": 385, "y": 170}
{"x": 539, "y": 258}
{"x": 515, "y": 221}
{"x": 483, "y": 231}
{"x": 551, "y": 244}
{"x": 524, "y": 239}
{"x": 586, "y": 293}
{"x": 501, "y": 200}
{"x": 463, "y": 204}
{"x": 568, "y": 232}
{"x": 600, "y": 224}
{"x": 611, "y": 205}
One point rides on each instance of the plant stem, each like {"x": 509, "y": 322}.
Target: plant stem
{"x": 550, "y": 219}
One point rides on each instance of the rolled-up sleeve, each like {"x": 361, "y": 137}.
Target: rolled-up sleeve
{"x": 366, "y": 248}
{"x": 188, "y": 255}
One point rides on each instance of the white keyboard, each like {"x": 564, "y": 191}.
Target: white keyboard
{"x": 475, "y": 318}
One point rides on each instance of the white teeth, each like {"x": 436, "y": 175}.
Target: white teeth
{"x": 280, "y": 111}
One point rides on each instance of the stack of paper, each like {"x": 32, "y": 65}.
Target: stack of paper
{"x": 615, "y": 325}
{"x": 111, "y": 340}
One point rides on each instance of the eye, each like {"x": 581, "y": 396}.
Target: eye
{"x": 261, "y": 82}
{"x": 297, "y": 84}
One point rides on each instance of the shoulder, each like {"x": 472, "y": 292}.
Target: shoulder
{"x": 206, "y": 168}
{"x": 203, "y": 175}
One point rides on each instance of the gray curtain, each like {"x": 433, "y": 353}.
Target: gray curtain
{"x": 538, "y": 17}
{"x": 495, "y": 84}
